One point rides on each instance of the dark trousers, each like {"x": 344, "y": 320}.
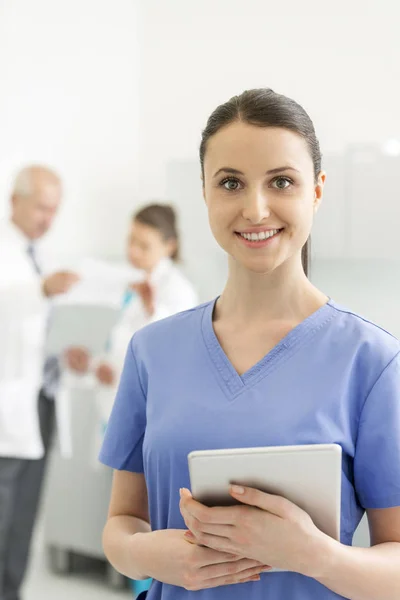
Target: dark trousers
{"x": 20, "y": 486}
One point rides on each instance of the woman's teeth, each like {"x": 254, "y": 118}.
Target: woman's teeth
{"x": 258, "y": 237}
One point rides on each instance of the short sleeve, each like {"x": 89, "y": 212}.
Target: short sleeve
{"x": 377, "y": 456}
{"x": 123, "y": 440}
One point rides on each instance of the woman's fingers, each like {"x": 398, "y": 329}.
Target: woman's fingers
{"x": 207, "y": 557}
{"x": 245, "y": 576}
{"x": 197, "y": 528}
{"x": 243, "y": 567}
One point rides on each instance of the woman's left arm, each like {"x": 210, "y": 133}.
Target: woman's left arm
{"x": 368, "y": 573}
{"x": 276, "y": 532}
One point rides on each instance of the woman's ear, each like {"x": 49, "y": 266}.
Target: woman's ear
{"x": 171, "y": 247}
{"x": 319, "y": 190}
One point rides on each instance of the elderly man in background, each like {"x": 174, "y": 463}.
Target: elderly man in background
{"x": 27, "y": 381}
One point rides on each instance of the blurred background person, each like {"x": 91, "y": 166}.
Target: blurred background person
{"x": 154, "y": 249}
{"x": 27, "y": 382}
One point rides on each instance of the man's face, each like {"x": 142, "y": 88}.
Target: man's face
{"x": 34, "y": 214}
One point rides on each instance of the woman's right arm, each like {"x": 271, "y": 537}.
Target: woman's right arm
{"x": 128, "y": 515}
{"x": 165, "y": 555}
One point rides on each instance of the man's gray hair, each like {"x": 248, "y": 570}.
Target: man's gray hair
{"x": 25, "y": 179}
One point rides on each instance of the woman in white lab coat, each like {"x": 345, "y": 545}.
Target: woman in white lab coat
{"x": 153, "y": 248}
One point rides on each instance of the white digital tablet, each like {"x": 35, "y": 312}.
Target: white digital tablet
{"x": 309, "y": 476}
{"x": 87, "y": 325}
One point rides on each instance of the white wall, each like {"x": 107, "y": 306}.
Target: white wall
{"x": 69, "y": 97}
{"x": 112, "y": 92}
{"x": 339, "y": 59}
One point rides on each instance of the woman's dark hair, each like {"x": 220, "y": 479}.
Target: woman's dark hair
{"x": 163, "y": 218}
{"x": 265, "y": 108}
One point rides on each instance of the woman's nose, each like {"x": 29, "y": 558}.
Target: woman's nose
{"x": 256, "y": 207}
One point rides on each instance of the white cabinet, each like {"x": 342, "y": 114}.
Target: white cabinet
{"x": 360, "y": 216}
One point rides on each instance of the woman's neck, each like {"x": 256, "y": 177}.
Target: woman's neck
{"x": 284, "y": 294}
{"x": 149, "y": 272}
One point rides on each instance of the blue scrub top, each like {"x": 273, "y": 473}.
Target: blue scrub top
{"x": 335, "y": 378}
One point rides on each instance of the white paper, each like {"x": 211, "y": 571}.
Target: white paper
{"x": 102, "y": 283}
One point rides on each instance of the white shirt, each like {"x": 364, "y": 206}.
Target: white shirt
{"x": 23, "y": 312}
{"x": 173, "y": 293}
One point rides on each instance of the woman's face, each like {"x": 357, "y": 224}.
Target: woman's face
{"x": 147, "y": 247}
{"x": 261, "y": 194}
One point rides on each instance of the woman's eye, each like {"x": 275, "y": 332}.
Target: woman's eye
{"x": 231, "y": 184}
{"x": 281, "y": 183}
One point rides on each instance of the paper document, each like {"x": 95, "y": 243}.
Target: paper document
{"x": 102, "y": 283}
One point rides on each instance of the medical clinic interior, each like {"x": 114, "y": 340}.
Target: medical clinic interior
{"x": 199, "y": 292}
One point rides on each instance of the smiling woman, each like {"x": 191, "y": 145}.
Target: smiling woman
{"x": 270, "y": 362}
{"x": 250, "y": 109}
{"x": 266, "y": 195}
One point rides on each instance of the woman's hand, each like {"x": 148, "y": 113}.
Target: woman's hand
{"x": 269, "y": 529}
{"x": 146, "y": 292}
{"x": 105, "y": 374}
{"x": 77, "y": 359}
{"x": 168, "y": 557}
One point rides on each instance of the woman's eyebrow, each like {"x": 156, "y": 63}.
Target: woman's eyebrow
{"x": 232, "y": 171}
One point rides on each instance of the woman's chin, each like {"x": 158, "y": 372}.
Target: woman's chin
{"x": 259, "y": 266}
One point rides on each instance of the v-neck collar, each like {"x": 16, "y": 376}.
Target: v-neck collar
{"x": 233, "y": 383}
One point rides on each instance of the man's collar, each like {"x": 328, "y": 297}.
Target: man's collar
{"x": 20, "y": 237}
